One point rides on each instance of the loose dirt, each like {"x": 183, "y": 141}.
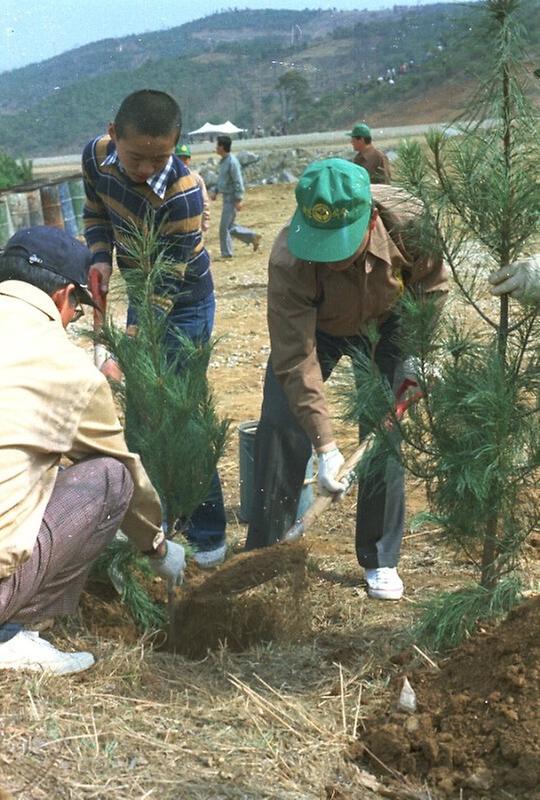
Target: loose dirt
{"x": 254, "y": 598}
{"x": 477, "y": 730}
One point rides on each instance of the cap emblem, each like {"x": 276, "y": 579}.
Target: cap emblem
{"x": 323, "y": 214}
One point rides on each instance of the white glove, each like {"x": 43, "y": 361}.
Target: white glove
{"x": 171, "y": 566}
{"x": 521, "y": 280}
{"x": 417, "y": 373}
{"x": 411, "y": 369}
{"x": 329, "y": 465}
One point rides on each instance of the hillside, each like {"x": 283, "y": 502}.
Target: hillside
{"x": 308, "y": 70}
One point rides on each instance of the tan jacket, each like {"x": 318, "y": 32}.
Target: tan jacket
{"x": 53, "y": 403}
{"x": 305, "y": 296}
{"x": 375, "y": 162}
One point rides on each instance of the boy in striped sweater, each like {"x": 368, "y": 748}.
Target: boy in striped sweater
{"x": 128, "y": 174}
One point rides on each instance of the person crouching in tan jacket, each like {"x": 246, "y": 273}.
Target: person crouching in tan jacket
{"x": 55, "y": 405}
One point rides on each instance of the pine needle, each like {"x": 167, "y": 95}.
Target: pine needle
{"x": 126, "y": 568}
{"x": 451, "y": 617}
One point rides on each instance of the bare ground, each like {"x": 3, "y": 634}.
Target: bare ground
{"x": 278, "y": 721}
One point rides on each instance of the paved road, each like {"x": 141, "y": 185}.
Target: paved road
{"x": 60, "y": 164}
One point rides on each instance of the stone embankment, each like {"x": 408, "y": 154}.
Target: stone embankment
{"x": 273, "y": 166}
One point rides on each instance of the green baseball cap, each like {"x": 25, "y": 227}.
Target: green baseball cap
{"x": 333, "y": 212}
{"x": 183, "y": 150}
{"x": 359, "y": 131}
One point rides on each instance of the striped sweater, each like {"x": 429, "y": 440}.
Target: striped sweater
{"x": 112, "y": 200}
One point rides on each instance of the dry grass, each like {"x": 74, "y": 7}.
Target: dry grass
{"x": 268, "y": 724}
{"x": 274, "y": 722}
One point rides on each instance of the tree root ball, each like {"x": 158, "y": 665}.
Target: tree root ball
{"x": 256, "y": 597}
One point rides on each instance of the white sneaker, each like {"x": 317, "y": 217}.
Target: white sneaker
{"x": 206, "y": 559}
{"x": 384, "y": 583}
{"x": 26, "y": 651}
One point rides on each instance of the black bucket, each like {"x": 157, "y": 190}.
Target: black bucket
{"x": 246, "y": 441}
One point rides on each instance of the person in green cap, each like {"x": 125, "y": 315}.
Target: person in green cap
{"x": 334, "y": 271}
{"x": 183, "y": 151}
{"x": 367, "y": 156}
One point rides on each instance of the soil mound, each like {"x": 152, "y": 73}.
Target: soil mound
{"x": 255, "y": 597}
{"x": 477, "y": 730}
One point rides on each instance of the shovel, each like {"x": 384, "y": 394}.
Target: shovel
{"x": 406, "y": 396}
{"x": 347, "y": 476}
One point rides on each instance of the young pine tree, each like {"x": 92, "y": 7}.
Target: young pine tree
{"x": 474, "y": 439}
{"x": 170, "y": 418}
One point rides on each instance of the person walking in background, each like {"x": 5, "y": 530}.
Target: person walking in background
{"x": 183, "y": 151}
{"x": 130, "y": 174}
{"x": 367, "y": 156}
{"x": 231, "y": 185}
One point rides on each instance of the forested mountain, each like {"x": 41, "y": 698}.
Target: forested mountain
{"x": 300, "y": 70}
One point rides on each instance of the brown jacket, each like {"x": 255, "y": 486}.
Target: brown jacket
{"x": 53, "y": 403}
{"x": 375, "y": 163}
{"x": 305, "y": 296}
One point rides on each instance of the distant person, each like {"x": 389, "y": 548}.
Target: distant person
{"x": 128, "y": 174}
{"x": 56, "y": 405}
{"x": 183, "y": 151}
{"x": 367, "y": 156}
{"x": 231, "y": 185}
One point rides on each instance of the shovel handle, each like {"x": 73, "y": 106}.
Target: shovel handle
{"x": 324, "y": 501}
{"x": 408, "y": 393}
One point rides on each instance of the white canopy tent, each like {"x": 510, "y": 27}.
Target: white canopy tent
{"x": 224, "y": 127}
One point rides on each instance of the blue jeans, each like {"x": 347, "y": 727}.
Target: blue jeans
{"x": 205, "y": 529}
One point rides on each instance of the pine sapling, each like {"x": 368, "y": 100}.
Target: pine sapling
{"x": 170, "y": 417}
{"x": 474, "y": 439}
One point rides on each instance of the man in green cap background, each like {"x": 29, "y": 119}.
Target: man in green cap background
{"x": 332, "y": 272}
{"x": 183, "y": 151}
{"x": 367, "y": 156}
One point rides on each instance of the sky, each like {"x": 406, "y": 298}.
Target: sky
{"x": 34, "y": 30}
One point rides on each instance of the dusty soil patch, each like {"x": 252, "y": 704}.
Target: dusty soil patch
{"x": 478, "y": 725}
{"x": 254, "y": 598}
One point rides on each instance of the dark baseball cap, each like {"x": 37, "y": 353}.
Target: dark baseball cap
{"x": 57, "y": 251}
